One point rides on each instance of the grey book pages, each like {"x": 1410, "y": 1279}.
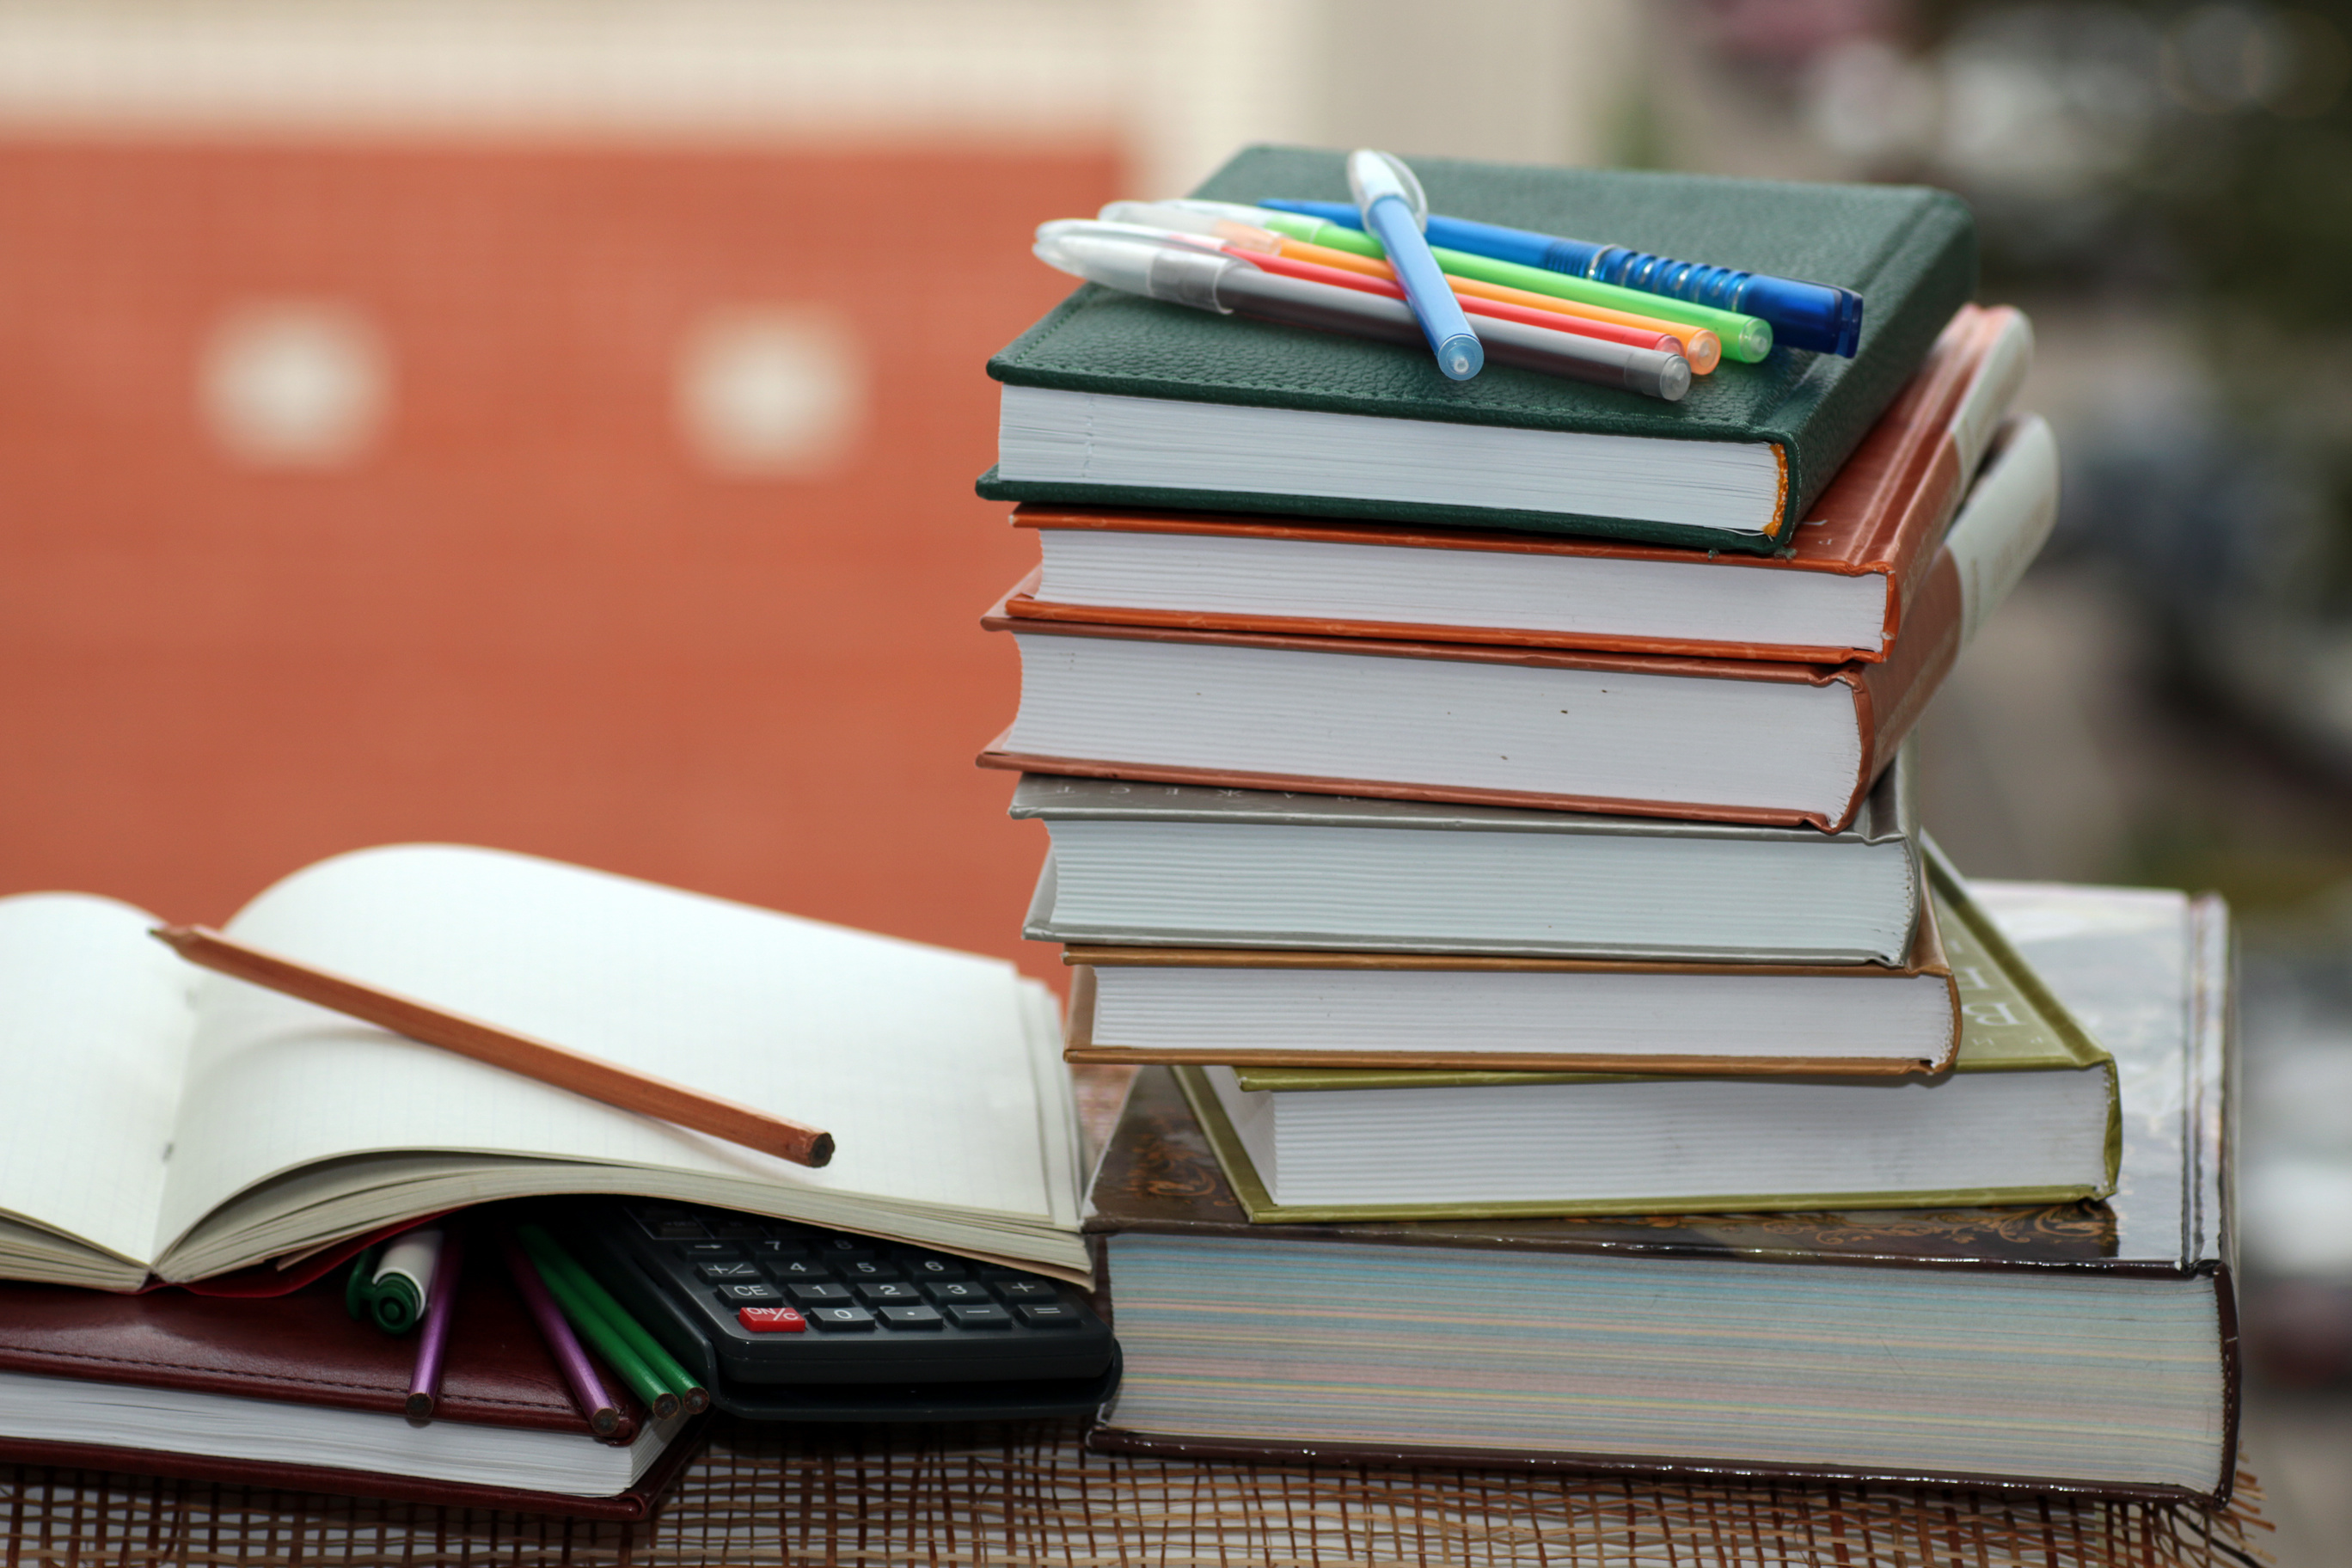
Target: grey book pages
{"x": 1888, "y": 813}
{"x": 1173, "y": 864}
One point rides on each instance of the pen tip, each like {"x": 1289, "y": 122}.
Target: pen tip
{"x": 820, "y": 1151}
{"x": 605, "y": 1421}
{"x": 419, "y": 1406}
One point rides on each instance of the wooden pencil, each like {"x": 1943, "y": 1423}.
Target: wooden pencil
{"x": 549, "y": 1064}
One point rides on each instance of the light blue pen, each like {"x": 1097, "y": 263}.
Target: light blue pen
{"x": 1395, "y": 211}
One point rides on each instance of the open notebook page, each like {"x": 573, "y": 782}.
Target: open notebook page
{"x": 318, "y": 1202}
{"x": 915, "y": 1059}
{"x": 95, "y": 1019}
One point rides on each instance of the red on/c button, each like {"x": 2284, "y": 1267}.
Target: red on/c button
{"x": 771, "y": 1320}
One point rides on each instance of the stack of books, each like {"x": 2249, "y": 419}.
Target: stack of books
{"x": 1483, "y": 809}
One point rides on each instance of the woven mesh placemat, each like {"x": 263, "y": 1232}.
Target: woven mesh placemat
{"x": 888, "y": 1498}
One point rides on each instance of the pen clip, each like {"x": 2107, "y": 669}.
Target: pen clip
{"x": 1373, "y": 175}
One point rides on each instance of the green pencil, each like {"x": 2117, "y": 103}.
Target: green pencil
{"x": 648, "y": 1383}
{"x": 549, "y": 1253}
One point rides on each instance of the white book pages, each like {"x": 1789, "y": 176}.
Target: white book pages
{"x": 1173, "y": 883}
{"x": 921, "y": 1062}
{"x": 48, "y": 1256}
{"x": 1700, "y": 1138}
{"x": 275, "y": 1432}
{"x": 95, "y": 1021}
{"x": 1442, "y": 722}
{"x": 1730, "y": 600}
{"x": 1051, "y": 437}
{"x": 1183, "y": 1012}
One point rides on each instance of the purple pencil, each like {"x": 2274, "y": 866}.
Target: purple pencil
{"x": 433, "y": 1335}
{"x": 595, "y": 1402}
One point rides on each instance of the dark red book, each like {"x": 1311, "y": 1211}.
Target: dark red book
{"x": 289, "y": 1391}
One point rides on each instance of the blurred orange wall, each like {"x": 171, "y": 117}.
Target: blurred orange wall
{"x": 528, "y": 616}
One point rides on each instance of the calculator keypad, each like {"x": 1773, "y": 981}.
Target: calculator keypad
{"x": 948, "y": 1292}
{"x": 842, "y": 1320}
{"x": 739, "y": 1295}
{"x": 991, "y": 1317}
{"x": 790, "y": 1292}
{"x": 820, "y": 1293}
{"x": 1023, "y": 1290}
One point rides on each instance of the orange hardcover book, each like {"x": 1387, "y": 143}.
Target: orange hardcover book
{"x": 1718, "y": 740}
{"x": 1845, "y": 590}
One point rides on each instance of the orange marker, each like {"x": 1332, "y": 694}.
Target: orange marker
{"x": 1698, "y": 344}
{"x": 1550, "y": 321}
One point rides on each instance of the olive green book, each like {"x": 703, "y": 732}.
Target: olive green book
{"x": 1114, "y": 399}
{"x": 2029, "y": 1113}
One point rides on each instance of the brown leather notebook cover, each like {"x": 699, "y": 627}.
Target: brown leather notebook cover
{"x": 1926, "y": 958}
{"x": 1888, "y": 697}
{"x": 304, "y": 1348}
{"x": 1884, "y": 515}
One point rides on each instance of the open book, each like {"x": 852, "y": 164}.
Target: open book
{"x": 159, "y": 1119}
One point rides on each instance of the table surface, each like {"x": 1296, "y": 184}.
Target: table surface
{"x": 879, "y": 1497}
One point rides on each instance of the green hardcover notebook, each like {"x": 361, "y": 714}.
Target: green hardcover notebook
{"x": 2029, "y": 1113}
{"x": 1113, "y": 399}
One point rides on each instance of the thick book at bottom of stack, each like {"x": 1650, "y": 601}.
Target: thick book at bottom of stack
{"x": 2068, "y": 1346}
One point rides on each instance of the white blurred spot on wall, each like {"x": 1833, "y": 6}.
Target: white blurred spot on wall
{"x": 295, "y": 385}
{"x": 772, "y": 391}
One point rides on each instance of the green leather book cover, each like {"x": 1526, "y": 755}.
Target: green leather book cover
{"x": 1908, "y": 250}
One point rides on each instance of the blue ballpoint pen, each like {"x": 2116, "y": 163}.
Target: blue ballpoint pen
{"x": 1818, "y": 316}
{"x": 1393, "y": 210}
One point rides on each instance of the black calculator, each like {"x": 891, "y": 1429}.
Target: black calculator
{"x": 785, "y": 1321}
